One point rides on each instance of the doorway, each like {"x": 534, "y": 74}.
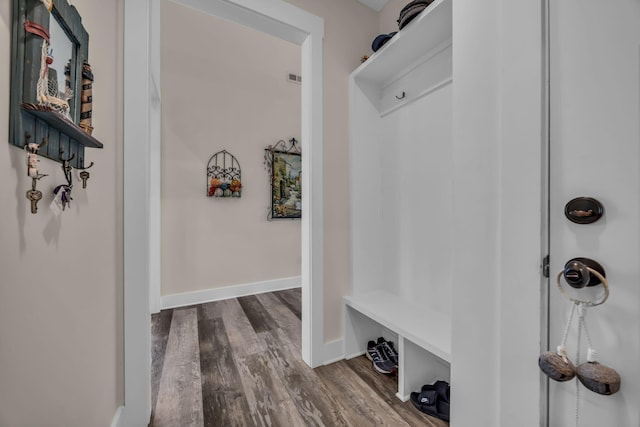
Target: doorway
{"x": 594, "y": 115}
{"x": 142, "y": 168}
{"x": 226, "y": 98}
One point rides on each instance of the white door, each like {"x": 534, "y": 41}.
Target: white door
{"x": 595, "y": 152}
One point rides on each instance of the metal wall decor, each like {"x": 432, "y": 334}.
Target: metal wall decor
{"x": 283, "y": 161}
{"x": 224, "y": 177}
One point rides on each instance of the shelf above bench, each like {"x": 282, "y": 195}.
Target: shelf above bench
{"x": 417, "y": 61}
{"x": 422, "y": 37}
{"x": 426, "y": 328}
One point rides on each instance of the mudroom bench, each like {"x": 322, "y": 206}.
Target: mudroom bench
{"x": 422, "y": 335}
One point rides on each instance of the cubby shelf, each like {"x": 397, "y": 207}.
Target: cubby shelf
{"x": 421, "y": 325}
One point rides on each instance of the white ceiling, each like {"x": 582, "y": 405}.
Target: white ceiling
{"x": 376, "y": 5}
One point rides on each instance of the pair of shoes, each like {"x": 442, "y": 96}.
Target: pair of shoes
{"x": 433, "y": 400}
{"x": 383, "y": 356}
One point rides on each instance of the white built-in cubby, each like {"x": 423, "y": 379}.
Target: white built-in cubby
{"x": 401, "y": 199}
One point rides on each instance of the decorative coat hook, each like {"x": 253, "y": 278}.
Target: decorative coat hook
{"x": 66, "y": 168}
{"x": 63, "y": 192}
{"x": 401, "y": 96}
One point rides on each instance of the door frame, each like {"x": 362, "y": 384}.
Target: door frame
{"x": 142, "y": 175}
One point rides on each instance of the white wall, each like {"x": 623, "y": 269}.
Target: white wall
{"x": 223, "y": 87}
{"x": 61, "y": 286}
{"x": 498, "y": 133}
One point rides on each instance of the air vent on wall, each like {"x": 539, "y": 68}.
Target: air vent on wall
{"x": 294, "y": 78}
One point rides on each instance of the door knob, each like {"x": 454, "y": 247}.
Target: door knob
{"x": 576, "y": 272}
{"x": 581, "y": 272}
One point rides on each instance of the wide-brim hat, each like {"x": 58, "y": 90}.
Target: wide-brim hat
{"x": 411, "y": 10}
{"x": 380, "y": 40}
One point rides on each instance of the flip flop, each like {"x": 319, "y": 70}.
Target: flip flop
{"x": 433, "y": 400}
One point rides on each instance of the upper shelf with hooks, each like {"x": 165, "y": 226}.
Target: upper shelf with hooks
{"x": 425, "y": 34}
{"x": 415, "y": 62}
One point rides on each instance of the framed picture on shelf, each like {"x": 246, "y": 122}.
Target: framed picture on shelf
{"x": 286, "y": 189}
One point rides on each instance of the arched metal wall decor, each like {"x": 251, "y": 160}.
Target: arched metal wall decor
{"x": 284, "y": 163}
{"x": 224, "y": 177}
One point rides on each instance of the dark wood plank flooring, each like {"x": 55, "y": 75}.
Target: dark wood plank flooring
{"x": 237, "y": 363}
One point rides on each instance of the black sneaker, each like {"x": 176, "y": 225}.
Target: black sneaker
{"x": 388, "y": 350}
{"x": 372, "y": 351}
{"x": 379, "y": 362}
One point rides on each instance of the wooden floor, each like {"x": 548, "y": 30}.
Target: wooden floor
{"x": 237, "y": 363}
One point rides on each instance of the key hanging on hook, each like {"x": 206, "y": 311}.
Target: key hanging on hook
{"x": 84, "y": 175}
{"x": 63, "y": 192}
{"x": 32, "y": 149}
{"x": 34, "y": 195}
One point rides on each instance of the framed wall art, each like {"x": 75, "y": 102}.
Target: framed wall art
{"x": 285, "y": 167}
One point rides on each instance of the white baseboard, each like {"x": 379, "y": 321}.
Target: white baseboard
{"x": 217, "y": 294}
{"x": 117, "y": 418}
{"x": 354, "y": 355}
{"x": 333, "y": 351}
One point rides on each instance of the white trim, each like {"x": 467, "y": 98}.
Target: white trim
{"x": 216, "y": 294}
{"x": 333, "y": 351}
{"x": 142, "y": 176}
{"x": 155, "y": 160}
{"x": 137, "y": 319}
{"x": 117, "y": 418}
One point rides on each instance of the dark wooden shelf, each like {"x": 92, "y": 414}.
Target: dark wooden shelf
{"x": 73, "y": 131}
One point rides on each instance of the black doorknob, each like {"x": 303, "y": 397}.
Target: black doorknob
{"x": 576, "y": 272}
